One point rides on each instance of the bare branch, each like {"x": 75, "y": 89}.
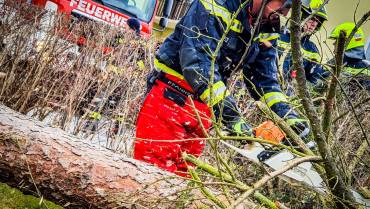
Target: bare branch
{"x": 363, "y": 19}
{"x": 352, "y": 108}
{"x": 315, "y": 12}
{"x": 329, "y": 104}
{"x": 226, "y": 177}
{"x": 272, "y": 175}
{"x": 334, "y": 178}
{"x": 205, "y": 191}
{"x": 285, "y": 127}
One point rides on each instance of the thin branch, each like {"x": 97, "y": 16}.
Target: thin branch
{"x": 272, "y": 175}
{"x": 363, "y": 19}
{"x": 214, "y": 56}
{"x": 334, "y": 178}
{"x": 239, "y": 185}
{"x": 204, "y": 131}
{"x": 354, "y": 107}
{"x": 354, "y": 14}
{"x": 285, "y": 127}
{"x": 253, "y": 33}
{"x": 359, "y": 153}
{"x": 314, "y": 13}
{"x": 205, "y": 191}
{"x": 329, "y": 104}
{"x": 354, "y": 112}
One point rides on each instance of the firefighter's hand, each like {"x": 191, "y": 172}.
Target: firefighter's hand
{"x": 300, "y": 126}
{"x": 241, "y": 128}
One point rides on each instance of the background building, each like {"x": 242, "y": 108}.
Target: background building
{"x": 178, "y": 10}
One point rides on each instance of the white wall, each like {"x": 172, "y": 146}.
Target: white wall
{"x": 341, "y": 11}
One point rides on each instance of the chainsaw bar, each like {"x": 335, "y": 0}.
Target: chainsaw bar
{"x": 303, "y": 173}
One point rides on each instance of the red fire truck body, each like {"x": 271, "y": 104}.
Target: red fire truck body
{"x": 113, "y": 12}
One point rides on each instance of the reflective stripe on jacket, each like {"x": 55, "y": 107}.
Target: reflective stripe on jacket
{"x": 354, "y": 62}
{"x": 188, "y": 51}
{"x": 311, "y": 59}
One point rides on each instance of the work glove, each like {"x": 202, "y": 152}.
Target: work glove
{"x": 300, "y": 126}
{"x": 320, "y": 86}
{"x": 235, "y": 125}
{"x": 240, "y": 128}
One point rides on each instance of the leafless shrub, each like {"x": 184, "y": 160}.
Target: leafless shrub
{"x": 61, "y": 71}
{"x": 45, "y": 73}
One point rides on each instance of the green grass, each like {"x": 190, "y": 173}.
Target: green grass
{"x": 11, "y": 198}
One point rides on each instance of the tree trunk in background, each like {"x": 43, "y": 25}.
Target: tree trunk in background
{"x": 66, "y": 169}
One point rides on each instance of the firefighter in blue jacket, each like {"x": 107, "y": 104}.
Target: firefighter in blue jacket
{"x": 184, "y": 69}
{"x": 315, "y": 72}
{"x": 355, "y": 64}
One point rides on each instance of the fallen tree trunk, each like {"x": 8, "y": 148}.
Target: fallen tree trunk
{"x": 66, "y": 169}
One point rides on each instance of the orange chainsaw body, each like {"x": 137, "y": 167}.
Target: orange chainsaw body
{"x": 269, "y": 131}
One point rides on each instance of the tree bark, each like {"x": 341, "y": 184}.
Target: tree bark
{"x": 334, "y": 178}
{"x": 66, "y": 169}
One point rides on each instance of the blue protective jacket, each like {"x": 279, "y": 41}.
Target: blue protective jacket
{"x": 188, "y": 52}
{"x": 367, "y": 46}
{"x": 356, "y": 65}
{"x": 311, "y": 59}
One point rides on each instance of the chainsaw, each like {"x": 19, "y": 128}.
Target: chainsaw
{"x": 303, "y": 173}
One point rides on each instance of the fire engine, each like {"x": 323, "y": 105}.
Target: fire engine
{"x": 112, "y": 12}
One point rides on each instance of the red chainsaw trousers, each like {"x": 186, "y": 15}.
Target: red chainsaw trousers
{"x": 166, "y": 124}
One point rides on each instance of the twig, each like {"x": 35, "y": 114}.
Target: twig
{"x": 285, "y": 127}
{"x": 354, "y": 13}
{"x": 354, "y": 112}
{"x": 239, "y": 185}
{"x": 200, "y": 123}
{"x": 205, "y": 191}
{"x": 214, "y": 56}
{"x": 363, "y": 19}
{"x": 253, "y": 33}
{"x": 360, "y": 152}
{"x": 315, "y": 12}
{"x": 272, "y": 175}
{"x": 329, "y": 104}
{"x": 217, "y": 154}
{"x": 354, "y": 107}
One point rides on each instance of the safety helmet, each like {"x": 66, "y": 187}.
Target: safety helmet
{"x": 315, "y": 7}
{"x": 358, "y": 39}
